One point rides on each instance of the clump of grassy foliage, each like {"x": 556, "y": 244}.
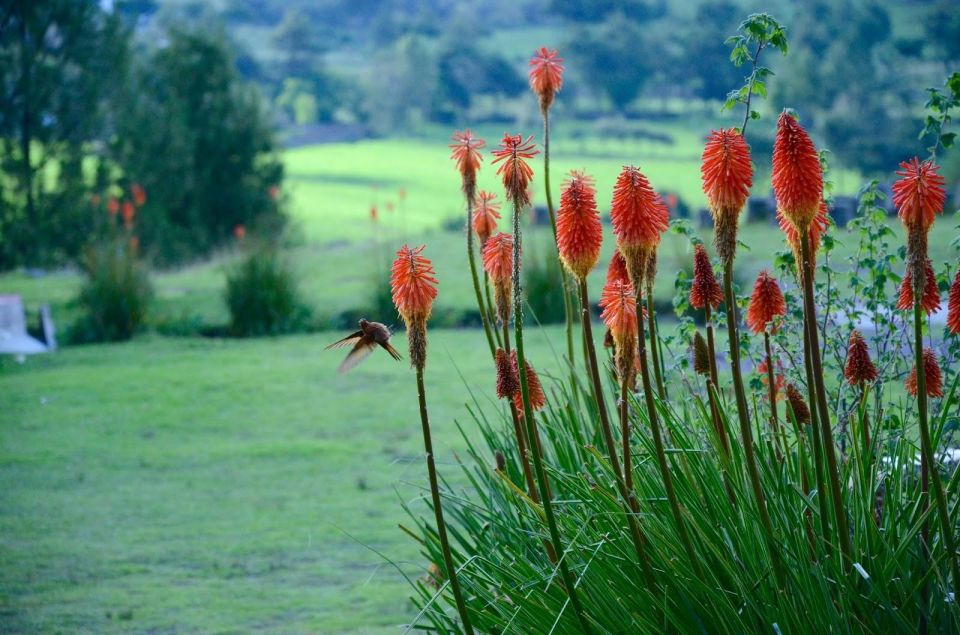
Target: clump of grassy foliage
{"x": 262, "y": 296}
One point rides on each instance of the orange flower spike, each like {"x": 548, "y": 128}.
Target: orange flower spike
{"x": 508, "y": 384}
{"x": 726, "y": 175}
{"x": 779, "y": 380}
{"x": 931, "y": 375}
{"x": 766, "y": 303}
{"x": 534, "y": 389}
{"x": 128, "y": 211}
{"x": 797, "y": 177}
{"x": 930, "y": 300}
{"x": 704, "y": 289}
{"x": 617, "y": 269}
{"x": 486, "y": 215}
{"x": 546, "y": 76}
{"x": 639, "y": 217}
{"x": 498, "y": 263}
{"x": 579, "y": 231}
{"x": 859, "y": 368}
{"x": 619, "y": 304}
{"x": 139, "y": 194}
{"x": 953, "y": 306}
{"x": 918, "y": 194}
{"x": 515, "y": 171}
{"x": 466, "y": 155}
{"x": 414, "y": 287}
{"x": 113, "y": 206}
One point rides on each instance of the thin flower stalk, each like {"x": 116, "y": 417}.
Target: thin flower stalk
{"x": 655, "y": 342}
{"x": 766, "y": 305}
{"x": 508, "y": 383}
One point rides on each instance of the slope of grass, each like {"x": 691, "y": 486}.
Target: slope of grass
{"x": 207, "y": 486}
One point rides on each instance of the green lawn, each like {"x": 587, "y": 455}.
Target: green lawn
{"x": 188, "y": 485}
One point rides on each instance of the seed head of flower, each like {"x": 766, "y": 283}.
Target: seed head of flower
{"x": 931, "y": 375}
{"x": 508, "y": 384}
{"x": 516, "y": 173}
{"x": 701, "y": 355}
{"x": 766, "y": 303}
{"x": 546, "y": 76}
{"x": 918, "y": 194}
{"x": 486, "y": 213}
{"x": 498, "y": 263}
{"x": 798, "y": 405}
{"x": 953, "y": 306}
{"x": 727, "y": 176}
{"x": 639, "y": 217}
{"x": 929, "y": 300}
{"x": 704, "y": 290}
{"x": 859, "y": 368}
{"x": 797, "y": 177}
{"x": 534, "y": 389}
{"x": 414, "y": 287}
{"x": 466, "y": 154}
{"x": 579, "y": 231}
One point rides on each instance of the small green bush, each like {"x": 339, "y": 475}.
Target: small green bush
{"x": 542, "y": 277}
{"x": 116, "y": 296}
{"x": 262, "y": 296}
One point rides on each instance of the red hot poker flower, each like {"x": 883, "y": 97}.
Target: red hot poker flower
{"x": 766, "y": 303}
{"x": 619, "y": 304}
{"x": 508, "y": 384}
{"x": 779, "y": 381}
{"x": 797, "y": 177}
{"x": 413, "y": 283}
{"x": 515, "y": 171}
{"x": 113, "y": 206}
{"x": 498, "y": 263}
{"x": 139, "y": 194}
{"x": 466, "y": 155}
{"x": 486, "y": 215}
{"x": 705, "y": 289}
{"x": 919, "y": 193}
{"x": 534, "y": 389}
{"x": 953, "y": 306}
{"x": 930, "y": 300}
{"x": 859, "y": 368}
{"x": 639, "y": 217}
{"x": 818, "y": 227}
{"x": 127, "y": 212}
{"x": 931, "y": 376}
{"x": 546, "y": 76}
{"x": 725, "y": 170}
{"x": 579, "y": 231}
{"x": 617, "y": 269}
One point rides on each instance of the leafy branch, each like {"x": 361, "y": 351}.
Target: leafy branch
{"x": 940, "y": 104}
{"x": 757, "y": 32}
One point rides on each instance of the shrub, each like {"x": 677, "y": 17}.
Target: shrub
{"x": 116, "y": 295}
{"x": 542, "y": 284}
{"x": 262, "y": 296}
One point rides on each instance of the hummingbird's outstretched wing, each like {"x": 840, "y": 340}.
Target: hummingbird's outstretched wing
{"x": 359, "y": 353}
{"x": 390, "y": 349}
{"x": 349, "y": 340}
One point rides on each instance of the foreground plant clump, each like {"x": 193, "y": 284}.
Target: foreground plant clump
{"x": 790, "y": 479}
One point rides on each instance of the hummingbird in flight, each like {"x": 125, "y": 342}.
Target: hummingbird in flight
{"x": 364, "y": 341}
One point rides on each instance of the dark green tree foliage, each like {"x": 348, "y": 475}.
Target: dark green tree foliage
{"x": 199, "y": 142}
{"x": 58, "y": 61}
{"x": 703, "y": 46}
{"x": 615, "y": 58}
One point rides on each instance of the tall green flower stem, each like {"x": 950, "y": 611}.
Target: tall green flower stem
{"x": 772, "y": 388}
{"x": 539, "y": 470}
{"x": 926, "y": 444}
{"x": 818, "y": 395}
{"x": 655, "y": 343}
{"x": 484, "y": 315}
{"x": 749, "y": 452}
{"x": 654, "y": 420}
{"x": 624, "y": 478}
{"x": 564, "y": 280}
{"x": 437, "y": 509}
{"x": 816, "y": 446}
{"x": 714, "y": 402}
{"x": 491, "y": 317}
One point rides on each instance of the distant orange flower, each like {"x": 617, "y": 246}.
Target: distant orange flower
{"x": 466, "y": 154}
{"x": 931, "y": 375}
{"x": 704, "y": 289}
{"x": 546, "y": 76}
{"x": 919, "y": 193}
{"x": 508, "y": 383}
{"x": 485, "y": 216}
{"x": 94, "y": 200}
{"x": 779, "y": 381}
{"x": 953, "y": 306}
{"x": 139, "y": 194}
{"x": 127, "y": 212}
{"x": 801, "y": 412}
{"x": 534, "y": 389}
{"x": 930, "y": 300}
{"x": 859, "y": 368}
{"x": 113, "y": 206}
{"x": 389, "y": 206}
{"x": 134, "y": 244}
{"x": 797, "y": 177}
{"x": 619, "y": 304}
{"x": 515, "y": 171}
{"x": 401, "y": 194}
{"x": 579, "y": 231}
{"x": 239, "y": 232}
{"x": 373, "y": 213}
{"x": 766, "y": 303}
{"x": 413, "y": 283}
{"x": 639, "y": 217}
{"x": 497, "y": 256}
{"x": 617, "y": 269}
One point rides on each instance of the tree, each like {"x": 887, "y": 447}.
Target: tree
{"x": 705, "y": 52}
{"x": 198, "y": 140}
{"x": 58, "y": 61}
{"x": 300, "y": 43}
{"x": 613, "y": 58}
